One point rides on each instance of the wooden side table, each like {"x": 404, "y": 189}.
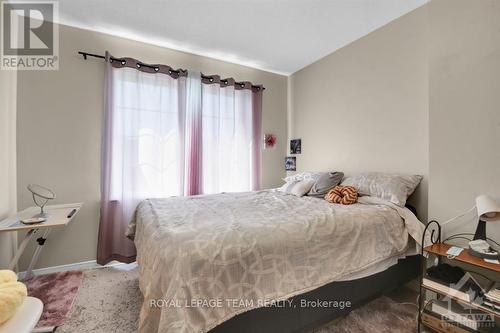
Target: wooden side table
{"x": 439, "y": 249}
{"x": 58, "y": 216}
{"x": 25, "y": 318}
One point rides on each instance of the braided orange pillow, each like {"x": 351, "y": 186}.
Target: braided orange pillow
{"x": 345, "y": 195}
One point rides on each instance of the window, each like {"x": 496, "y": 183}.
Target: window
{"x": 150, "y": 151}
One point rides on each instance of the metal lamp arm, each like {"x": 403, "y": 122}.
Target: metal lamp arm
{"x": 38, "y": 204}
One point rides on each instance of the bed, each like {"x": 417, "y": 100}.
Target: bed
{"x": 225, "y": 262}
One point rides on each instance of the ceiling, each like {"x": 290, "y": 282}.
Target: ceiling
{"x": 280, "y": 36}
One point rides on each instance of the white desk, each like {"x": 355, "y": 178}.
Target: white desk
{"x": 57, "y": 217}
{"x": 25, "y": 318}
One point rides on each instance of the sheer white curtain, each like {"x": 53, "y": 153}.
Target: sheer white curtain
{"x": 148, "y": 130}
{"x": 143, "y": 151}
{"x": 227, "y": 139}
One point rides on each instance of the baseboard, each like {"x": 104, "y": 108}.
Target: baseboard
{"x": 90, "y": 264}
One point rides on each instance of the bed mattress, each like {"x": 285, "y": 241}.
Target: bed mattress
{"x": 205, "y": 259}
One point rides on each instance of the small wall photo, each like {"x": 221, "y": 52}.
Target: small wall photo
{"x": 296, "y": 146}
{"x": 290, "y": 163}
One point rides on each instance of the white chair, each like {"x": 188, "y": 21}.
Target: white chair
{"x": 25, "y": 318}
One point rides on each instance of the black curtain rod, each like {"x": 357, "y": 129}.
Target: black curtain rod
{"x": 86, "y": 54}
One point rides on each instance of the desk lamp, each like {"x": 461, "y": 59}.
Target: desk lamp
{"x": 488, "y": 211}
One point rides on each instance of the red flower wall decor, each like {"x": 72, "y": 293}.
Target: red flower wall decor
{"x": 269, "y": 141}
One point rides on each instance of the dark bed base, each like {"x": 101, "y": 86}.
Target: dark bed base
{"x": 303, "y": 319}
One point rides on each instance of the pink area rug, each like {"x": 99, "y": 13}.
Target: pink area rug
{"x": 57, "y": 292}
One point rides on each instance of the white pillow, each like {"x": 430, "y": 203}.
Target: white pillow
{"x": 303, "y": 175}
{"x": 395, "y": 188}
{"x": 297, "y": 187}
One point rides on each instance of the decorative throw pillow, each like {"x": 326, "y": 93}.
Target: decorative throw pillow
{"x": 297, "y": 187}
{"x": 7, "y": 276}
{"x": 344, "y": 195}
{"x": 325, "y": 183}
{"x": 12, "y": 295}
{"x": 391, "y": 187}
{"x": 303, "y": 175}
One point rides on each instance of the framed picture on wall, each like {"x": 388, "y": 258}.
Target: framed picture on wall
{"x": 296, "y": 146}
{"x": 290, "y": 163}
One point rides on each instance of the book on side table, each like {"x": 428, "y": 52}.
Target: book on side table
{"x": 449, "y": 316}
{"x": 492, "y": 298}
{"x": 465, "y": 291}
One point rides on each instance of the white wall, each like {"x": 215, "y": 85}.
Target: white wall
{"x": 59, "y": 129}
{"x": 420, "y": 95}
{"x": 464, "y": 65}
{"x": 365, "y": 106}
{"x": 7, "y": 160}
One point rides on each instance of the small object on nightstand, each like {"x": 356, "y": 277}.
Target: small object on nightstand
{"x": 480, "y": 248}
{"x": 71, "y": 213}
{"x": 33, "y": 220}
{"x": 492, "y": 261}
{"x": 454, "y": 251}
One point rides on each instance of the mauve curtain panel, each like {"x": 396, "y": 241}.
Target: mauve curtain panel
{"x": 110, "y": 247}
{"x": 171, "y": 133}
{"x": 194, "y": 128}
{"x": 257, "y": 139}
